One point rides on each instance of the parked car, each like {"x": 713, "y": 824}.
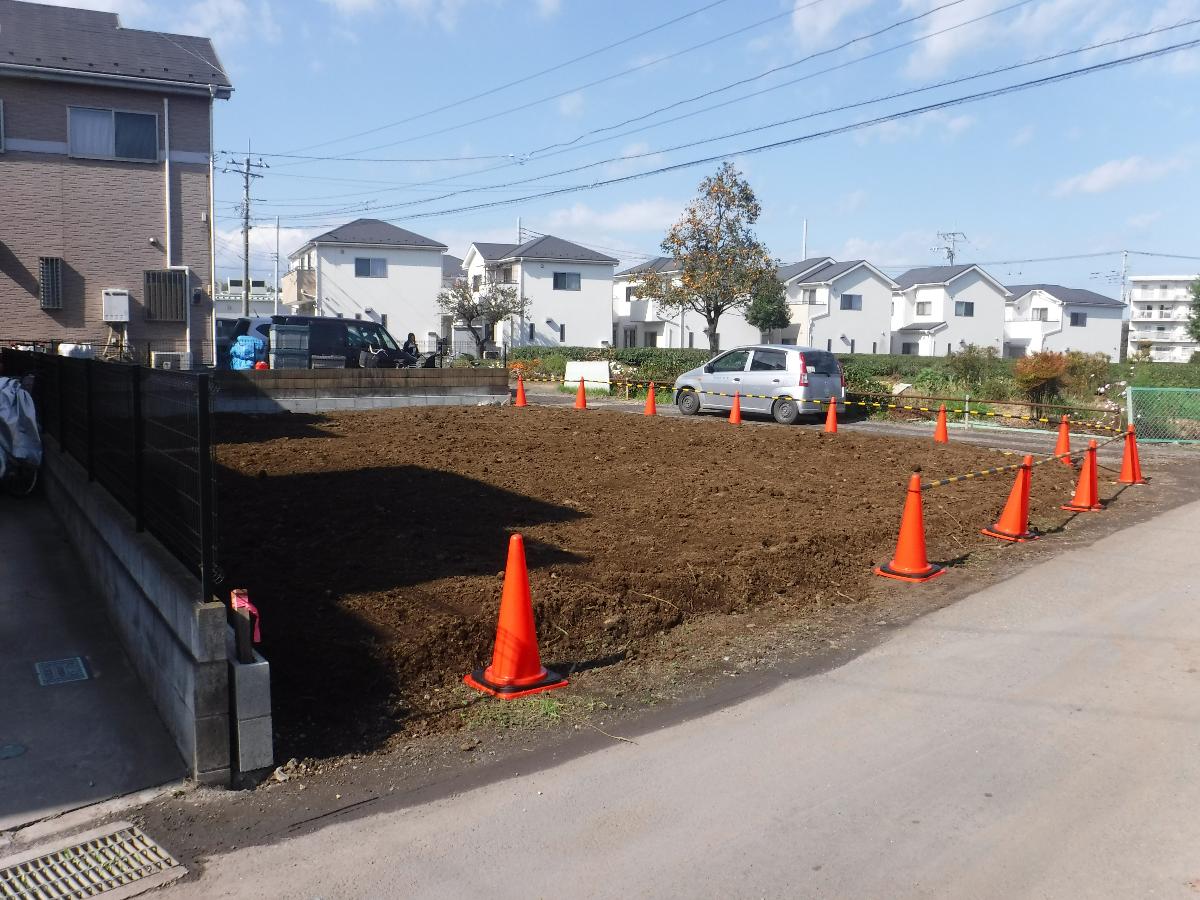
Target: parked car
{"x": 781, "y": 380}
{"x": 327, "y": 336}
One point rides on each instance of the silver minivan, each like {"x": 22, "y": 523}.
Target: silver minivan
{"x": 781, "y": 380}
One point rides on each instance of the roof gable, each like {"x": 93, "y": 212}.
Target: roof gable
{"x": 793, "y": 270}
{"x": 78, "y": 42}
{"x": 492, "y": 252}
{"x": 556, "y": 248}
{"x": 1065, "y": 295}
{"x": 658, "y": 265}
{"x": 376, "y": 233}
{"x": 943, "y": 275}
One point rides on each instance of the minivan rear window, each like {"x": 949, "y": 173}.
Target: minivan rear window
{"x": 820, "y": 363}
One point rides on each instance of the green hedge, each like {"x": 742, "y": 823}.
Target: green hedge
{"x": 863, "y": 371}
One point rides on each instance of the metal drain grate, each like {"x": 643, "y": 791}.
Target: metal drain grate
{"x": 61, "y": 671}
{"x": 106, "y": 863}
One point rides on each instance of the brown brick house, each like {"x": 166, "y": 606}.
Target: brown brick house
{"x": 105, "y": 181}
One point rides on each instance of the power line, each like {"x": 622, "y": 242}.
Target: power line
{"x": 522, "y": 80}
{"x": 612, "y": 77}
{"x": 742, "y": 132}
{"x": 733, "y": 84}
{"x": 843, "y": 129}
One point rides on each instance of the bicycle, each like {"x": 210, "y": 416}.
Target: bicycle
{"x": 20, "y": 441}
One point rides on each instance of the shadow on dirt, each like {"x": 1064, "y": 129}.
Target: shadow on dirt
{"x": 341, "y": 565}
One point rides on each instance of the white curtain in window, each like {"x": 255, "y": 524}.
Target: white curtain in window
{"x": 91, "y": 132}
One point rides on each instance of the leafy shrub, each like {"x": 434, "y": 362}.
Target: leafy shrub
{"x": 1085, "y": 372}
{"x": 931, "y": 380}
{"x": 1040, "y": 376}
{"x": 972, "y": 364}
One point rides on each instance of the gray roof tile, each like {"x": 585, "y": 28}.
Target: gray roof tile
{"x": 658, "y": 264}
{"x": 375, "y": 231}
{"x": 1074, "y": 296}
{"x": 791, "y": 270}
{"x": 35, "y": 36}
{"x": 551, "y": 247}
{"x": 493, "y": 252}
{"x": 917, "y": 327}
{"x": 452, "y": 266}
{"x": 930, "y": 275}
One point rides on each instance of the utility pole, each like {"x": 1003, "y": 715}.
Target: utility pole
{"x": 804, "y": 240}
{"x": 247, "y": 173}
{"x": 1124, "y": 277}
{"x": 950, "y": 247}
{"x": 277, "y": 265}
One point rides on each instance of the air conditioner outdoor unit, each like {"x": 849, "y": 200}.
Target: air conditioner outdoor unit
{"x": 114, "y": 305}
{"x": 170, "y": 360}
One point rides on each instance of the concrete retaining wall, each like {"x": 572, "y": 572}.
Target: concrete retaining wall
{"x": 176, "y": 642}
{"x": 326, "y": 390}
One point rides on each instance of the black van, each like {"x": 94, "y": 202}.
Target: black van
{"x": 348, "y": 338}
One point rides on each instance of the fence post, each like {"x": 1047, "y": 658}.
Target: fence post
{"x": 1129, "y": 406}
{"x": 967, "y": 410}
{"x": 204, "y": 470}
{"x": 139, "y": 440}
{"x": 89, "y": 415}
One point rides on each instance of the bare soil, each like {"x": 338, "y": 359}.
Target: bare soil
{"x": 373, "y": 544}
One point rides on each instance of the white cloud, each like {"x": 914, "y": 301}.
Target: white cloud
{"x": 229, "y": 20}
{"x": 571, "y": 104}
{"x": 812, "y": 24}
{"x": 654, "y": 215}
{"x": 942, "y": 124}
{"x": 906, "y": 248}
{"x": 1118, "y": 173}
{"x": 262, "y": 248}
{"x": 854, "y": 201}
{"x": 1022, "y": 137}
{"x": 627, "y": 166}
{"x": 130, "y": 11}
{"x": 1142, "y": 221}
{"x": 445, "y": 13}
{"x": 548, "y": 8}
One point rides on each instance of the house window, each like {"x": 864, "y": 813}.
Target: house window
{"x": 506, "y": 275}
{"x": 964, "y": 308}
{"x": 373, "y": 267}
{"x": 649, "y": 338}
{"x": 829, "y": 345}
{"x": 50, "y": 282}
{"x": 924, "y": 307}
{"x": 562, "y": 334}
{"x": 475, "y": 279}
{"x": 808, "y": 296}
{"x": 628, "y": 294}
{"x": 908, "y": 349}
{"x": 566, "y": 281}
{"x": 630, "y": 337}
{"x": 1078, "y": 319}
{"x": 851, "y": 345}
{"x": 109, "y": 134}
{"x": 852, "y": 301}
{"x": 165, "y": 295}
{"x": 1039, "y": 315}
{"x": 874, "y": 346}
{"x": 531, "y": 331}
{"x": 691, "y": 340}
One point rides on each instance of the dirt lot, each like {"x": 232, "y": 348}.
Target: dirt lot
{"x": 373, "y": 545}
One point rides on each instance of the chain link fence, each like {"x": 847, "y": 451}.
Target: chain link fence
{"x": 1165, "y": 414}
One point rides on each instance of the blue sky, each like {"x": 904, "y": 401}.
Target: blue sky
{"x": 1099, "y": 163}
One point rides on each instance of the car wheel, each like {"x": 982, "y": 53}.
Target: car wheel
{"x": 688, "y": 402}
{"x": 786, "y": 411}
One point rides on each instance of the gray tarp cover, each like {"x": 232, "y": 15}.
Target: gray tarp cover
{"x": 19, "y": 438}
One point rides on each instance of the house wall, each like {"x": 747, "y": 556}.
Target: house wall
{"x": 828, "y": 326}
{"x": 407, "y": 296}
{"x": 984, "y": 329}
{"x": 586, "y": 313}
{"x": 1101, "y": 334}
{"x": 98, "y": 215}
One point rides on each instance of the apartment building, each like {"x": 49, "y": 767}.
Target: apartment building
{"x": 105, "y": 181}
{"x": 1159, "y": 306}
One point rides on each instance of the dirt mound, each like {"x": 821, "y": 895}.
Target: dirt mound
{"x": 373, "y": 542}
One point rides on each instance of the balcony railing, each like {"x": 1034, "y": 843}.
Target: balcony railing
{"x": 1175, "y": 334}
{"x": 1160, "y": 315}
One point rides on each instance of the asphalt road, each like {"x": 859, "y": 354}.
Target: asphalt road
{"x": 1037, "y": 739}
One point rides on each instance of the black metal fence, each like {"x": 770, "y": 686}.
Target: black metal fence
{"x": 144, "y": 435}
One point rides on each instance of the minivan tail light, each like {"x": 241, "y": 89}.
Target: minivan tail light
{"x": 803, "y": 382}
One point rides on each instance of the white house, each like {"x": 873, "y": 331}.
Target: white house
{"x": 369, "y": 269}
{"x": 939, "y": 310}
{"x": 842, "y": 306}
{"x": 569, "y": 289}
{"x": 1158, "y": 315}
{"x": 1052, "y": 317}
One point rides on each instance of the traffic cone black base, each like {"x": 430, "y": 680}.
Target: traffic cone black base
{"x": 1014, "y": 538}
{"x": 479, "y": 681}
{"x": 888, "y": 572}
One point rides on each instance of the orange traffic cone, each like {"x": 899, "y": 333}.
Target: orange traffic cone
{"x": 581, "y": 396}
{"x": 1131, "y": 465}
{"x": 516, "y": 668}
{"x": 831, "y": 417}
{"x": 735, "y": 412}
{"x": 651, "y": 405}
{"x": 1087, "y": 489}
{"x": 520, "y": 401}
{"x": 910, "y": 562}
{"x": 1013, "y": 524}
{"x": 1063, "y": 444}
{"x": 940, "y": 434}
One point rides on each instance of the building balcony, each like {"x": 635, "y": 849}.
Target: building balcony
{"x": 1147, "y": 313}
{"x": 1173, "y": 335}
{"x": 1146, "y": 295}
